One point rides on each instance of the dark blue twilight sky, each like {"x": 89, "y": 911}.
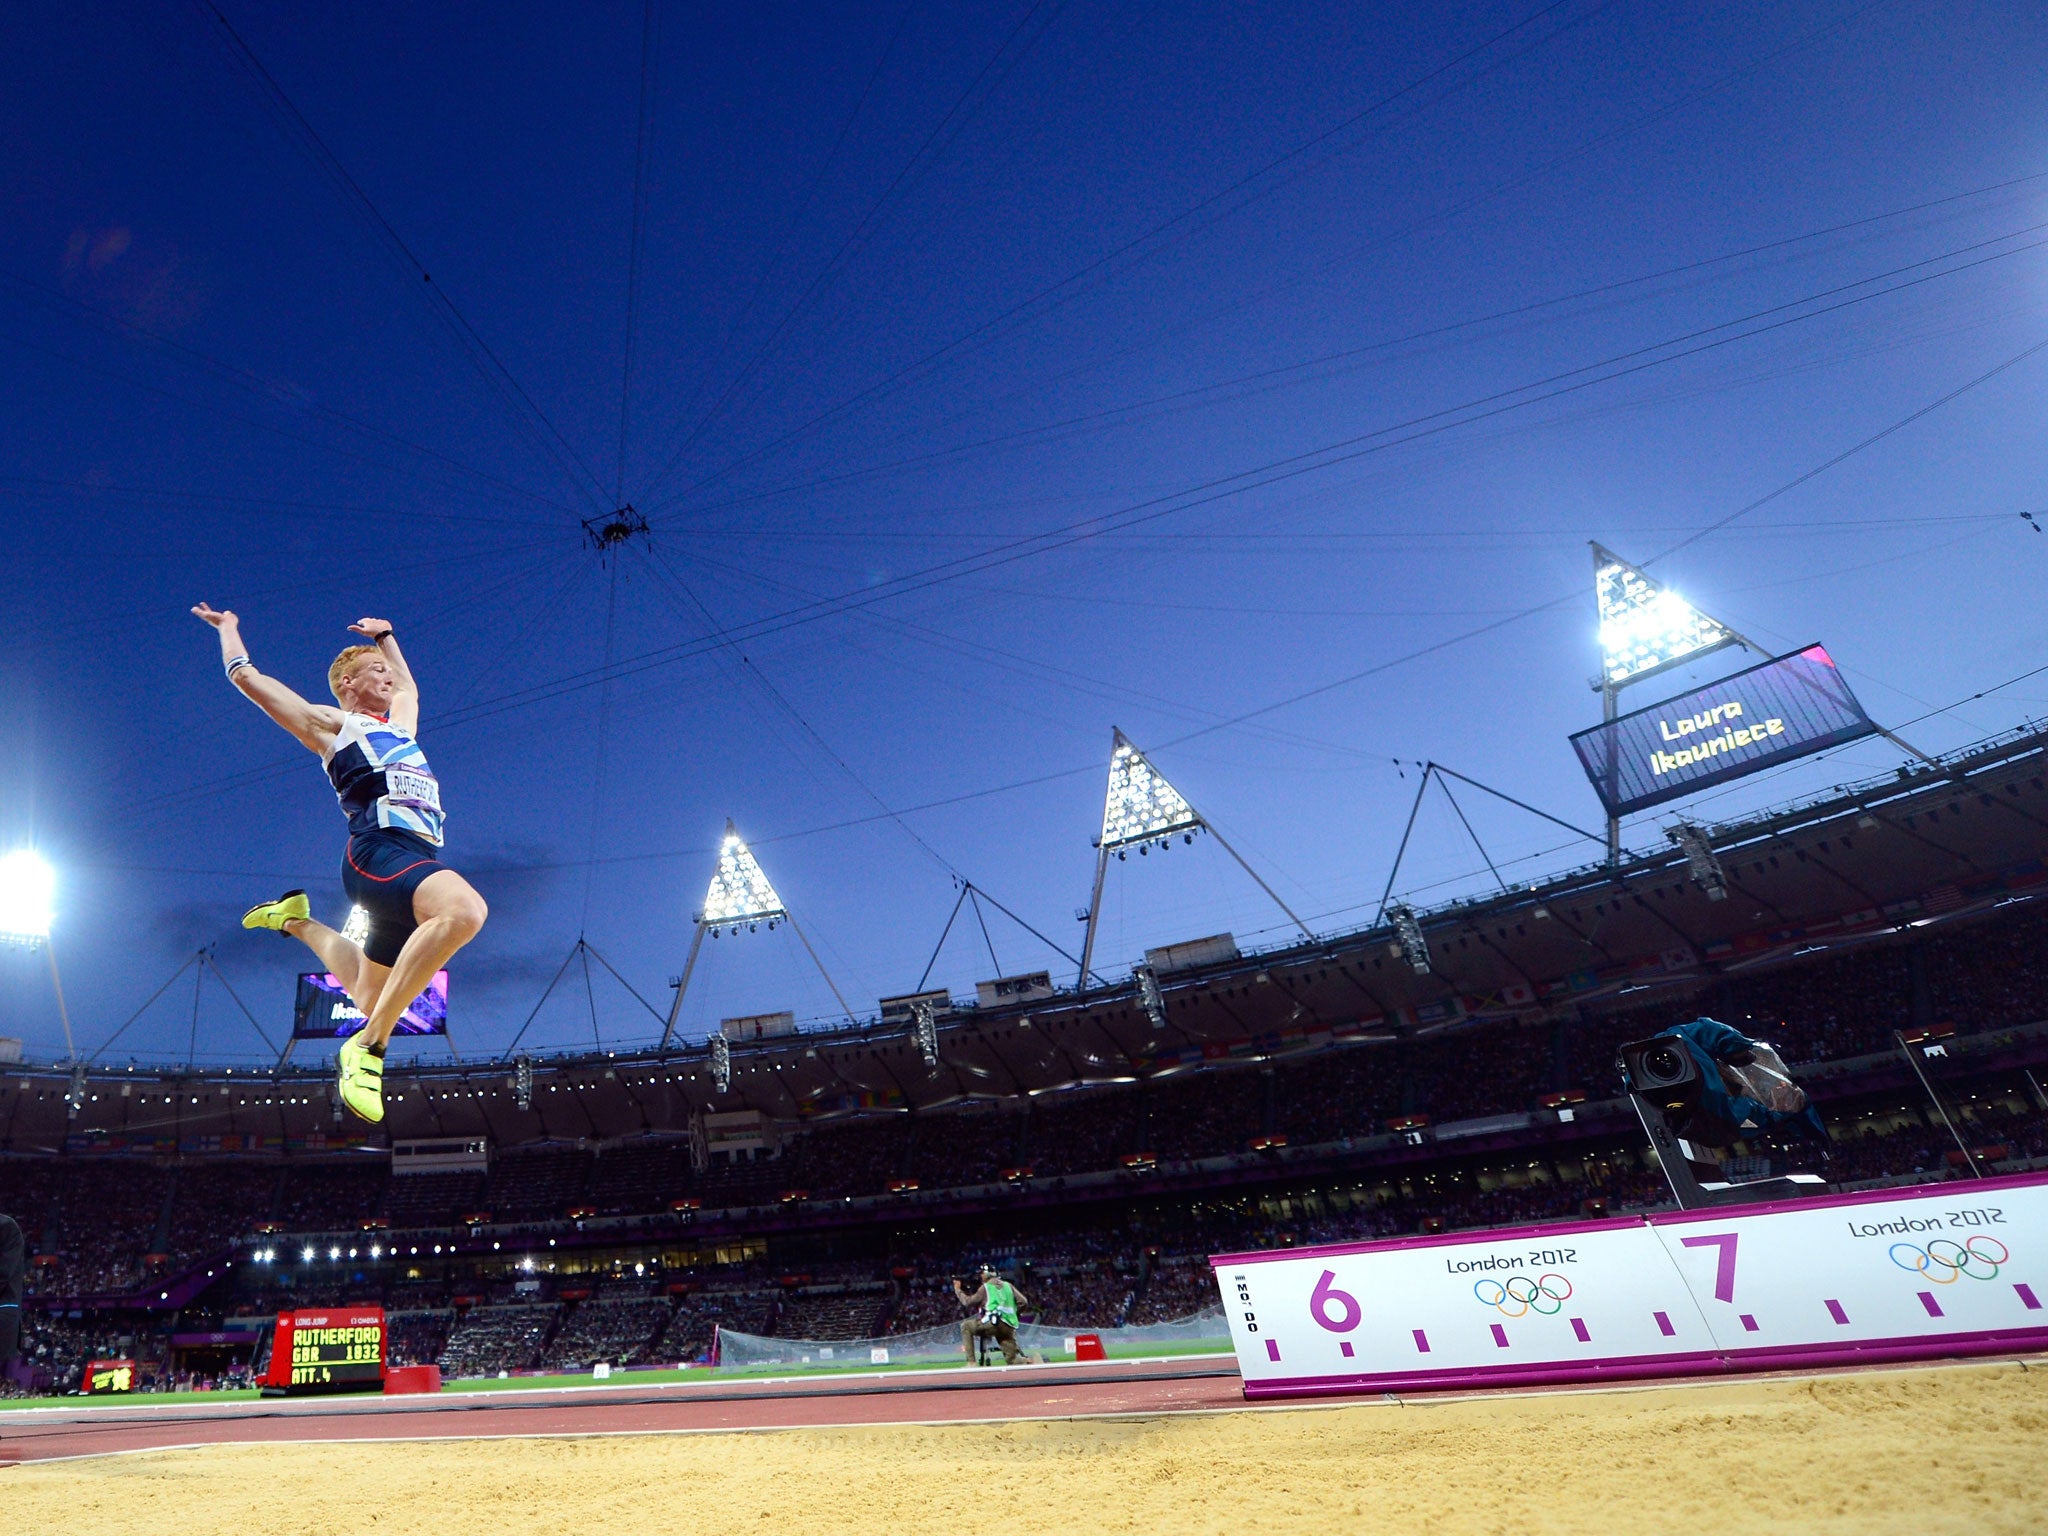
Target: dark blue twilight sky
{"x": 917, "y": 283}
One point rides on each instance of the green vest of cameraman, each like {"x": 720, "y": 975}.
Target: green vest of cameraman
{"x": 999, "y": 1301}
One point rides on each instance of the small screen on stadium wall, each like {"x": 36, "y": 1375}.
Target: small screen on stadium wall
{"x": 1772, "y": 713}
{"x": 325, "y": 1012}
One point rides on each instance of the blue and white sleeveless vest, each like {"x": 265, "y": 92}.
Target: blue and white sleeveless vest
{"x": 382, "y": 780}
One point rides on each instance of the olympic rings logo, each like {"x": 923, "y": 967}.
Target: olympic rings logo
{"x": 1945, "y": 1261}
{"x": 1518, "y": 1296}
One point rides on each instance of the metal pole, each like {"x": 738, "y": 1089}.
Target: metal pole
{"x": 1907, "y": 747}
{"x": 1475, "y": 840}
{"x": 1261, "y": 884}
{"x": 1400, "y": 852}
{"x": 820, "y": 965}
{"x": 675, "y": 1008}
{"x": 1940, "y": 1109}
{"x": 138, "y": 1013}
{"x": 559, "y": 973}
{"x": 1608, "y": 705}
{"x": 1094, "y": 907}
{"x": 64, "y": 1013}
{"x": 982, "y": 895}
{"x": 192, "y": 1038}
{"x": 214, "y": 966}
{"x": 927, "y": 976}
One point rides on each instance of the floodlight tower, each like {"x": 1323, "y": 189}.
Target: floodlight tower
{"x": 1142, "y": 810}
{"x": 28, "y": 899}
{"x": 740, "y": 899}
{"x": 1645, "y": 629}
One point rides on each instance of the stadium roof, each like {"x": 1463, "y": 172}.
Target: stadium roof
{"x": 1864, "y": 863}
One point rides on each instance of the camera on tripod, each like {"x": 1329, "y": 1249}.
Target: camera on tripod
{"x": 1701, "y": 1087}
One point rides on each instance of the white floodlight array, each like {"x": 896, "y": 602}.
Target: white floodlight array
{"x": 1141, "y": 808}
{"x": 356, "y": 928}
{"x": 1150, "y": 998}
{"x": 522, "y": 1083}
{"x": 1702, "y": 863}
{"x": 1408, "y": 938}
{"x": 740, "y": 892}
{"x": 721, "y": 1063}
{"x": 1644, "y": 626}
{"x": 28, "y": 896}
{"x": 924, "y": 1029}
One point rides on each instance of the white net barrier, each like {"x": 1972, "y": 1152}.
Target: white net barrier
{"x": 1204, "y": 1332}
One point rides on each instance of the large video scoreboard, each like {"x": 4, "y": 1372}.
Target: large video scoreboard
{"x": 327, "y": 1350}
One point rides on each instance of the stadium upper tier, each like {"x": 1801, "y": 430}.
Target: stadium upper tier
{"x": 1873, "y": 863}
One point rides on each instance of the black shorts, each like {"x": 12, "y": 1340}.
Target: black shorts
{"x": 380, "y": 871}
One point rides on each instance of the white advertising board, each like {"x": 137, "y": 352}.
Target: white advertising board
{"x": 1940, "y": 1270}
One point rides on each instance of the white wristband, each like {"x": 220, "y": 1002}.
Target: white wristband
{"x": 235, "y": 664}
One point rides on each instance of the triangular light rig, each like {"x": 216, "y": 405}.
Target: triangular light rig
{"x": 740, "y": 892}
{"x": 1141, "y": 810}
{"x": 740, "y": 899}
{"x": 1645, "y": 627}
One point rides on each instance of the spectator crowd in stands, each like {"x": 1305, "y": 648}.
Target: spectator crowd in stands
{"x": 104, "y": 1226}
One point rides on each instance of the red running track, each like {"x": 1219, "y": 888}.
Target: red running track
{"x": 1140, "y": 1388}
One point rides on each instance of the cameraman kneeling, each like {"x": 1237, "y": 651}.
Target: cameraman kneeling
{"x": 998, "y": 1302}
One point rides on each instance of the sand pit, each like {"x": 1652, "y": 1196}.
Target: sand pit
{"x": 1927, "y": 1451}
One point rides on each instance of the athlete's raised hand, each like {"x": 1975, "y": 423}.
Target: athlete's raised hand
{"x": 214, "y": 616}
{"x": 371, "y": 630}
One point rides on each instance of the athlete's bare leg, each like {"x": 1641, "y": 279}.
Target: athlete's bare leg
{"x": 360, "y": 976}
{"x": 449, "y": 913}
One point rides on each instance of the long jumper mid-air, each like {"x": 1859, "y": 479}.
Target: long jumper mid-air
{"x": 420, "y": 910}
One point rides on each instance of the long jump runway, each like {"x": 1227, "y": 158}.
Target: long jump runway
{"x": 956, "y": 1396}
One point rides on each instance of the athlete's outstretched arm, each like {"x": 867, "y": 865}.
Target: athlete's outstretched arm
{"x": 405, "y": 697}
{"x": 313, "y": 724}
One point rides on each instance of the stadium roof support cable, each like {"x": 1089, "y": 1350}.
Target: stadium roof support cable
{"x": 1436, "y": 219}
{"x": 650, "y": 33}
{"x": 262, "y": 388}
{"x": 991, "y": 943}
{"x": 301, "y": 131}
{"x": 1465, "y": 822}
{"x": 1401, "y": 850}
{"x": 546, "y": 993}
{"x": 1437, "y": 771}
{"x": 943, "y": 932}
{"x": 769, "y": 267}
{"x": 1271, "y": 375}
{"x": 1033, "y": 306}
{"x": 1314, "y": 460}
{"x": 872, "y": 218}
{"x": 213, "y": 965}
{"x": 105, "y": 1045}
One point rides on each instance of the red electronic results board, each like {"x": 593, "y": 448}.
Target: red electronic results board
{"x": 332, "y": 1349}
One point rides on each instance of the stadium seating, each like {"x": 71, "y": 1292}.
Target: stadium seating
{"x": 110, "y": 1227}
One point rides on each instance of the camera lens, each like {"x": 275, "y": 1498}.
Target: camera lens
{"x": 1662, "y": 1063}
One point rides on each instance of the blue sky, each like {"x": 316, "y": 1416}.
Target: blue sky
{"x": 988, "y": 370}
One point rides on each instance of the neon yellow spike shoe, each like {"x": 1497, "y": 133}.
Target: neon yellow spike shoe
{"x": 275, "y": 914}
{"x": 362, "y": 1080}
